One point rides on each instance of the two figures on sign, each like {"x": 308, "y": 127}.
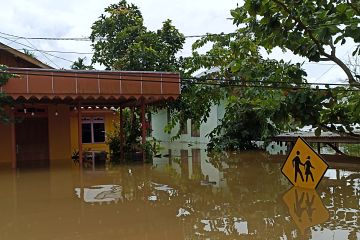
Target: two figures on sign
{"x": 296, "y": 162}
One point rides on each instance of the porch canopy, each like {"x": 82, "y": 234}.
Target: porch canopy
{"x": 93, "y": 88}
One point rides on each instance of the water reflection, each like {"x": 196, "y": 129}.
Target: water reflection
{"x": 305, "y": 208}
{"x": 188, "y": 195}
{"x": 99, "y": 193}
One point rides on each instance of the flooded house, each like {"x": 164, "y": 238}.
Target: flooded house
{"x": 55, "y": 114}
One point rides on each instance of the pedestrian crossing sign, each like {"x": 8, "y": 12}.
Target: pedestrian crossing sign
{"x": 303, "y": 166}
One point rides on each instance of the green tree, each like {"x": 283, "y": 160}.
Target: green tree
{"x": 266, "y": 96}
{"x": 122, "y": 42}
{"x": 246, "y": 81}
{"x": 80, "y": 65}
{"x": 312, "y": 29}
{"x": 315, "y": 30}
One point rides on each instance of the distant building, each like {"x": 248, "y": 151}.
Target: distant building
{"x": 189, "y": 134}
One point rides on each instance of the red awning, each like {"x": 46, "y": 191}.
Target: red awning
{"x": 52, "y": 84}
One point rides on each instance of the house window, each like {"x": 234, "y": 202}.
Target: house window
{"x": 195, "y": 132}
{"x": 93, "y": 130}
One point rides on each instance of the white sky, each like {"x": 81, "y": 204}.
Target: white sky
{"x": 69, "y": 18}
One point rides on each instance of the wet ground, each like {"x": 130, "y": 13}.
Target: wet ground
{"x": 186, "y": 196}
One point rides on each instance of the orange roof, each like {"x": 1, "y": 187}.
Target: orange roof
{"x": 10, "y": 59}
{"x": 95, "y": 86}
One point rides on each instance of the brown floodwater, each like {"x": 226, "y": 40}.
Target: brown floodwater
{"x": 188, "y": 196}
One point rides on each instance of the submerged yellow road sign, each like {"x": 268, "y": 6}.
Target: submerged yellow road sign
{"x": 305, "y": 208}
{"x": 304, "y": 167}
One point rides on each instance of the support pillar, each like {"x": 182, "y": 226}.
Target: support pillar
{"x": 13, "y": 140}
{"x": 288, "y": 146}
{"x": 80, "y": 135}
{"x": 318, "y": 148}
{"x": 122, "y": 140}
{"x": 143, "y": 124}
{"x": 143, "y": 127}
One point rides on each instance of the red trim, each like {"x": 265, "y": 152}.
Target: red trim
{"x": 80, "y": 135}
{"x": 13, "y": 141}
{"x": 122, "y": 140}
{"x": 143, "y": 128}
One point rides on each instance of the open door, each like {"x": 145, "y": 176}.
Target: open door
{"x": 32, "y": 142}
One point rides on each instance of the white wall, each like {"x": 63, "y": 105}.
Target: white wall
{"x": 159, "y": 121}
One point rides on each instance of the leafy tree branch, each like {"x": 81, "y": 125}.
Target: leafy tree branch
{"x": 4, "y": 100}
{"x": 304, "y": 27}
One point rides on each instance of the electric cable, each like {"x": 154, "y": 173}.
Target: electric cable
{"x": 226, "y": 83}
{"x": 186, "y": 36}
{"x": 40, "y": 50}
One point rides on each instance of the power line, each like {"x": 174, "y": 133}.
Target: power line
{"x": 222, "y": 83}
{"x": 49, "y": 51}
{"x": 15, "y": 41}
{"x": 48, "y": 38}
{"x": 186, "y": 36}
{"x": 90, "y": 53}
{"x": 325, "y": 24}
{"x": 156, "y": 74}
{"x": 42, "y": 54}
{"x": 101, "y": 38}
{"x": 40, "y": 50}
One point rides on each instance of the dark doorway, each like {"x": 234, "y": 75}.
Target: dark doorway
{"x": 32, "y": 142}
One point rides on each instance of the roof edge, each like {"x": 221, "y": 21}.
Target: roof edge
{"x": 85, "y": 71}
{"x": 25, "y": 57}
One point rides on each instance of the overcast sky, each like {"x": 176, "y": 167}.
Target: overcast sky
{"x": 69, "y": 18}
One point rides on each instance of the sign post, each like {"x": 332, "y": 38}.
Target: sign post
{"x": 304, "y": 167}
